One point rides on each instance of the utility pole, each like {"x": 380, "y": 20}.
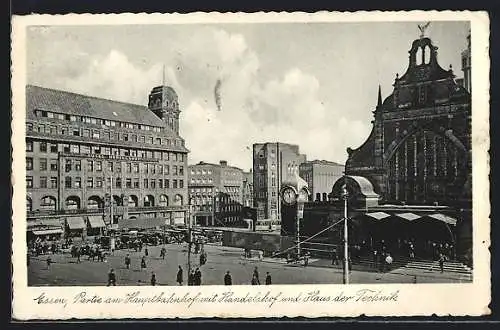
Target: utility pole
{"x": 345, "y": 195}
{"x": 190, "y": 238}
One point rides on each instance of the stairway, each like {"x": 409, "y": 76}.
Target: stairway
{"x": 421, "y": 264}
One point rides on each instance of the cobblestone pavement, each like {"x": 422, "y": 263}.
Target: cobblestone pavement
{"x": 66, "y": 272}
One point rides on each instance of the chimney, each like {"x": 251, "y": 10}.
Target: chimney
{"x": 223, "y": 163}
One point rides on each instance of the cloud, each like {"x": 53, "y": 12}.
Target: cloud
{"x": 285, "y": 108}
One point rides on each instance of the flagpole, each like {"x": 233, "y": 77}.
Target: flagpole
{"x": 346, "y": 233}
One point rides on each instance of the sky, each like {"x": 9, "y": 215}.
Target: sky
{"x": 311, "y": 84}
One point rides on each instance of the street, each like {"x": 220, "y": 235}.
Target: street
{"x": 64, "y": 271}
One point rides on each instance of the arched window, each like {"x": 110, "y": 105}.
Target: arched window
{"x": 325, "y": 197}
{"x": 427, "y": 54}
{"x": 73, "y": 203}
{"x": 94, "y": 202}
{"x": 419, "y": 56}
{"x": 163, "y": 200}
{"x": 29, "y": 204}
{"x": 48, "y": 203}
{"x": 178, "y": 200}
{"x": 149, "y": 201}
{"x": 132, "y": 201}
{"x": 318, "y": 197}
{"x": 427, "y": 167}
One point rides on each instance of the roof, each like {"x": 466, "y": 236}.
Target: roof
{"x": 59, "y": 101}
{"x": 322, "y": 162}
{"x": 202, "y": 163}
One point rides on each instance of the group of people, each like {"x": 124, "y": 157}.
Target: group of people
{"x": 194, "y": 277}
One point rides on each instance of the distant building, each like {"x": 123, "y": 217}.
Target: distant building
{"x": 216, "y": 193}
{"x": 83, "y": 152}
{"x": 320, "y": 176}
{"x": 247, "y": 189}
{"x": 272, "y": 162}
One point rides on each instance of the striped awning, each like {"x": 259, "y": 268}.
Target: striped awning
{"x": 443, "y": 218}
{"x": 75, "y": 223}
{"x": 408, "y": 216}
{"x": 47, "y": 231}
{"x": 96, "y": 221}
{"x": 378, "y": 215}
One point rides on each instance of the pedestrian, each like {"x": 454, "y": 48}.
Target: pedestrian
{"x": 335, "y": 259}
{"x": 153, "y": 279}
{"x": 179, "y": 276}
{"x": 441, "y": 262}
{"x": 388, "y": 262}
{"x": 255, "y": 280}
{"x": 191, "y": 278}
{"x": 375, "y": 257}
{"x": 111, "y": 277}
{"x": 306, "y": 259}
{"x": 78, "y": 253}
{"x": 256, "y": 274}
{"x": 268, "y": 279}
{"x": 227, "y": 279}
{"x": 146, "y": 252}
{"x": 162, "y": 253}
{"x": 197, "y": 277}
{"x": 143, "y": 263}
{"x": 49, "y": 261}
{"x": 127, "y": 261}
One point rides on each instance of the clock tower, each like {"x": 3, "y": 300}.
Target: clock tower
{"x": 164, "y": 102}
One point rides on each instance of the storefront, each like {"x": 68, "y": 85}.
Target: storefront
{"x": 95, "y": 225}
{"x": 75, "y": 227}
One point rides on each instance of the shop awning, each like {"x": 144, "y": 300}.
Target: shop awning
{"x": 408, "y": 216}
{"x": 443, "y": 218}
{"x": 47, "y": 231}
{"x": 96, "y": 221}
{"x": 75, "y": 223}
{"x": 378, "y": 215}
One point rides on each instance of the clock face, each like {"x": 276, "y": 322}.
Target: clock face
{"x": 289, "y": 196}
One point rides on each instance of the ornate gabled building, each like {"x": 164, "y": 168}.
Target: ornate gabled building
{"x": 419, "y": 150}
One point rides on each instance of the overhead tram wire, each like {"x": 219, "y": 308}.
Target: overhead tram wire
{"x": 307, "y": 239}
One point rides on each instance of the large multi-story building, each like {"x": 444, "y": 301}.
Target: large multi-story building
{"x": 83, "y": 152}
{"x": 412, "y": 177}
{"x": 216, "y": 194}
{"x": 320, "y": 176}
{"x": 272, "y": 163}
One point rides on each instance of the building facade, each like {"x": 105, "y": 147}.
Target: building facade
{"x": 272, "y": 163}
{"x": 419, "y": 150}
{"x": 216, "y": 193}
{"x": 411, "y": 180}
{"x": 247, "y": 189}
{"x": 85, "y": 153}
{"x": 320, "y": 176}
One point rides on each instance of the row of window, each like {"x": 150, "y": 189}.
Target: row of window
{"x": 201, "y": 181}
{"x": 98, "y": 150}
{"x": 203, "y": 190}
{"x": 76, "y": 165}
{"x": 201, "y": 172}
{"x": 103, "y": 135}
{"x": 98, "y": 182}
{"x": 95, "y": 121}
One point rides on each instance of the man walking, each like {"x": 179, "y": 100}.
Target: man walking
{"x": 111, "y": 277}
{"x": 197, "y": 277}
{"x": 268, "y": 279}
{"x": 153, "y": 278}
{"x": 227, "y": 279}
{"x": 143, "y": 263}
{"x": 441, "y": 262}
{"x": 256, "y": 275}
{"x": 179, "y": 276}
{"x": 127, "y": 261}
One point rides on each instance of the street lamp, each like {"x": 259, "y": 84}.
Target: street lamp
{"x": 345, "y": 196}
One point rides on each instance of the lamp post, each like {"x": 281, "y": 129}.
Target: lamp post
{"x": 345, "y": 196}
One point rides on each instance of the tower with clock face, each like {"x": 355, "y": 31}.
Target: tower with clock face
{"x": 294, "y": 194}
{"x": 164, "y": 102}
